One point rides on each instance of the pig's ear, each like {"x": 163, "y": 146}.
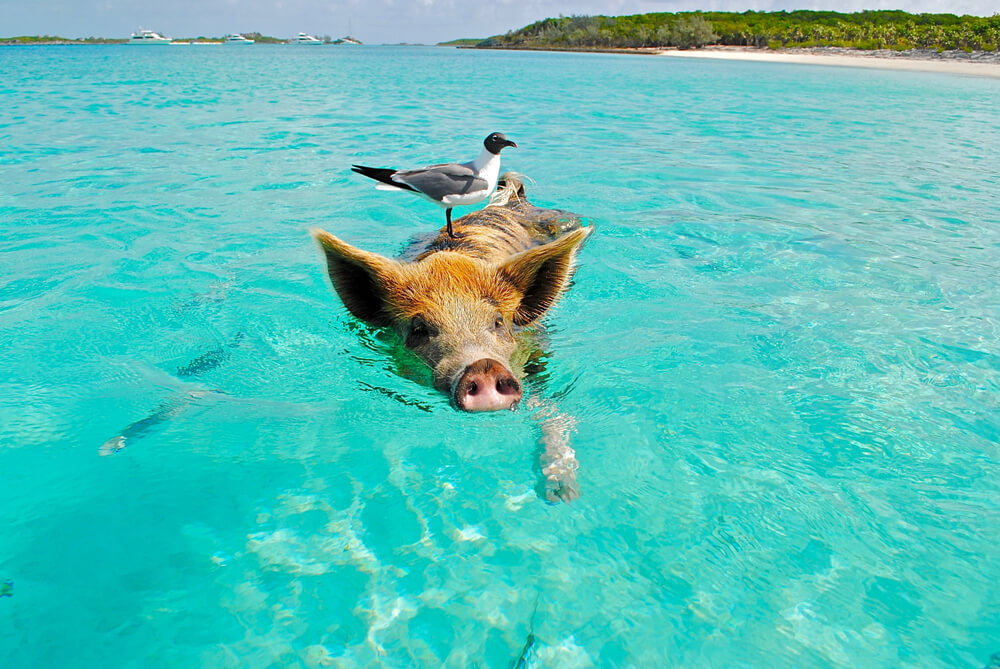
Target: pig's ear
{"x": 359, "y": 277}
{"x": 541, "y": 274}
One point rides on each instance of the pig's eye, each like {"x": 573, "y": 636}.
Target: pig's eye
{"x": 498, "y": 323}
{"x": 419, "y": 332}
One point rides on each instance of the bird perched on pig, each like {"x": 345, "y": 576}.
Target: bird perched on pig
{"x": 448, "y": 185}
{"x": 461, "y": 304}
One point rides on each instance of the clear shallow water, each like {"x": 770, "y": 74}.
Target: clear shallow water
{"x": 781, "y": 354}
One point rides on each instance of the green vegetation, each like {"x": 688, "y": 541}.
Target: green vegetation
{"x": 467, "y": 41}
{"x": 861, "y": 30}
{"x": 264, "y": 39}
{"x": 54, "y": 39}
{"x": 691, "y": 31}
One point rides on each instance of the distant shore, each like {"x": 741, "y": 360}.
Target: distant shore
{"x": 974, "y": 63}
{"x": 17, "y": 41}
{"x": 977, "y": 63}
{"x": 256, "y": 37}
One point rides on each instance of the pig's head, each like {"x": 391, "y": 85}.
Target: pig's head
{"x": 458, "y": 314}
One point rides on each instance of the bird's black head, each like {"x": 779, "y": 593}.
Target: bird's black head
{"x": 496, "y": 142}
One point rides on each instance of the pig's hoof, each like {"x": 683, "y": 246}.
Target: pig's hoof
{"x": 563, "y": 489}
{"x": 111, "y": 446}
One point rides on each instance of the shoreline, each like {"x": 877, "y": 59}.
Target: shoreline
{"x": 977, "y": 63}
{"x": 980, "y": 64}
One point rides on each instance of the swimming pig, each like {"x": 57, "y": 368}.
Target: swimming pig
{"x": 461, "y": 304}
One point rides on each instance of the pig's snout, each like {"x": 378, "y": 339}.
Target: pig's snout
{"x": 487, "y": 385}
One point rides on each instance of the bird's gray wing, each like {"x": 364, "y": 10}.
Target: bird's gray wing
{"x": 439, "y": 181}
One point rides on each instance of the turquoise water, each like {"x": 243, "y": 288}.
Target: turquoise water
{"x": 780, "y": 355}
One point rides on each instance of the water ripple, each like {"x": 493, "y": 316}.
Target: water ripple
{"x": 779, "y": 358}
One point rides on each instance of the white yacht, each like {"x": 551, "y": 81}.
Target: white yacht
{"x": 237, "y": 38}
{"x": 148, "y": 37}
{"x": 305, "y": 39}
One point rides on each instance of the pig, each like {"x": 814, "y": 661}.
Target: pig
{"x": 466, "y": 305}
{"x": 462, "y": 303}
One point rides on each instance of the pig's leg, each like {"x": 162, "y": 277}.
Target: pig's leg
{"x": 559, "y": 463}
{"x": 558, "y": 459}
{"x": 161, "y": 414}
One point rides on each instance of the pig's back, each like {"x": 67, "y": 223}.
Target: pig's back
{"x": 497, "y": 231}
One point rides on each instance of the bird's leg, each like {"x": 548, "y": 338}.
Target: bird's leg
{"x": 447, "y": 215}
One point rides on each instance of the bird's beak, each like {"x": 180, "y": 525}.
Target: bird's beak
{"x": 510, "y": 143}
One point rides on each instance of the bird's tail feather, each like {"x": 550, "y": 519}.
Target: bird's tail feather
{"x": 381, "y": 174}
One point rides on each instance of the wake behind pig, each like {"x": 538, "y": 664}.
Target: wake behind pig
{"x": 465, "y": 305}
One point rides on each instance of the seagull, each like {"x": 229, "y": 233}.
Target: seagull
{"x": 449, "y": 185}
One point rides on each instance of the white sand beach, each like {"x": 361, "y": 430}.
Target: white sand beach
{"x": 945, "y": 65}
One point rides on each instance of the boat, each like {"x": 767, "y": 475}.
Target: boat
{"x": 305, "y": 39}
{"x": 237, "y": 38}
{"x": 148, "y": 37}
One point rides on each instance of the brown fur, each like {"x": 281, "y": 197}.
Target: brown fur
{"x": 461, "y": 300}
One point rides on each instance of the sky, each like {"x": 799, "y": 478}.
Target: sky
{"x": 378, "y": 21}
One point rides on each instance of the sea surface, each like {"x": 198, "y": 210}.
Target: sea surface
{"x": 780, "y": 357}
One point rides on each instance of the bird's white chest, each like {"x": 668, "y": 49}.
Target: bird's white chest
{"x": 491, "y": 172}
{"x": 488, "y": 169}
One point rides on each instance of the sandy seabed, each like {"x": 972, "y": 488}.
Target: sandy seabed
{"x": 988, "y": 68}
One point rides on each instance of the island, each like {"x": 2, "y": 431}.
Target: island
{"x": 802, "y": 29}
{"x": 256, "y": 37}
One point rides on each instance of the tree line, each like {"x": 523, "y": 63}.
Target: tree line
{"x": 888, "y": 29}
